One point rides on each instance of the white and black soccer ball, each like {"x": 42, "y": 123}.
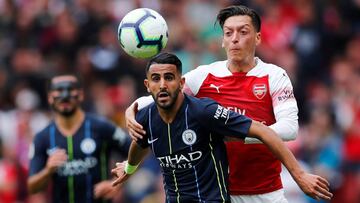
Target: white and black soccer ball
{"x": 143, "y": 33}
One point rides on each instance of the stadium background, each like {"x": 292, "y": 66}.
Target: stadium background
{"x": 316, "y": 41}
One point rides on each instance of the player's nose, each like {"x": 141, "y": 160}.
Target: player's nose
{"x": 162, "y": 83}
{"x": 235, "y": 37}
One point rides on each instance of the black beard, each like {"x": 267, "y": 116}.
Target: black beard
{"x": 173, "y": 98}
{"x": 66, "y": 114}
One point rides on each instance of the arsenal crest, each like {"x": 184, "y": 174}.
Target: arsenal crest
{"x": 259, "y": 90}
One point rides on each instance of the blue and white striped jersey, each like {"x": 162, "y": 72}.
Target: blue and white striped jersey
{"x": 190, "y": 150}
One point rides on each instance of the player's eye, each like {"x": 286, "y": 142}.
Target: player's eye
{"x": 227, "y": 33}
{"x": 244, "y": 32}
{"x": 169, "y": 77}
{"x": 73, "y": 92}
{"x": 155, "y": 78}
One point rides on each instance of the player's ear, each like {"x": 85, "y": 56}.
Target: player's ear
{"x": 50, "y": 98}
{"x": 182, "y": 82}
{"x": 146, "y": 83}
{"x": 222, "y": 43}
{"x": 258, "y": 38}
{"x": 81, "y": 95}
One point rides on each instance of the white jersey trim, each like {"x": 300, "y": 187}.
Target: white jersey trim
{"x": 281, "y": 91}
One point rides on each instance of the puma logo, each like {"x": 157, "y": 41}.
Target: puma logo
{"x": 216, "y": 87}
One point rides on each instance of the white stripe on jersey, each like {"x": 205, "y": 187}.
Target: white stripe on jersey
{"x": 281, "y": 91}
{"x": 195, "y": 172}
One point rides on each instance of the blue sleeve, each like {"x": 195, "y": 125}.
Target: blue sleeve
{"x": 142, "y": 118}
{"x": 38, "y": 155}
{"x": 225, "y": 121}
{"x": 117, "y": 138}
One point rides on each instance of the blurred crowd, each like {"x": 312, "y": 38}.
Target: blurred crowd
{"x": 316, "y": 41}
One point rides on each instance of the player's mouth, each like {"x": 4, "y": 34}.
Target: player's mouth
{"x": 163, "y": 95}
{"x": 65, "y": 104}
{"x": 234, "y": 49}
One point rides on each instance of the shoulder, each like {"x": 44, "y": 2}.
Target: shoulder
{"x": 98, "y": 121}
{"x": 216, "y": 64}
{"x": 44, "y": 132}
{"x": 143, "y": 114}
{"x": 207, "y": 111}
{"x": 215, "y": 68}
{"x": 195, "y": 78}
{"x": 204, "y": 101}
{"x": 200, "y": 105}
{"x": 43, "y": 136}
{"x": 266, "y": 69}
{"x": 96, "y": 118}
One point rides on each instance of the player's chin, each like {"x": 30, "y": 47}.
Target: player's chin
{"x": 164, "y": 104}
{"x": 163, "y": 99}
{"x": 235, "y": 56}
{"x": 66, "y": 111}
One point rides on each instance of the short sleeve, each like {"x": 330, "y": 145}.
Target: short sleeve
{"x": 117, "y": 138}
{"x": 121, "y": 139}
{"x": 38, "y": 155}
{"x": 225, "y": 121}
{"x": 142, "y": 118}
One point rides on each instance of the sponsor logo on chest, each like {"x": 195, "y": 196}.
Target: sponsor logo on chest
{"x": 181, "y": 161}
{"x": 77, "y": 166}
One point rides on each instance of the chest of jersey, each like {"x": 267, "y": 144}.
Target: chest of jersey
{"x": 191, "y": 159}
{"x": 247, "y": 95}
{"x": 177, "y": 146}
{"x": 83, "y": 149}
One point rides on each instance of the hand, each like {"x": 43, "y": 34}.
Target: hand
{"x": 56, "y": 159}
{"x": 135, "y": 129}
{"x": 314, "y": 186}
{"x": 119, "y": 173}
{"x": 105, "y": 190}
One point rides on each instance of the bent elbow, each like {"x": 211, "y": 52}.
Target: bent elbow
{"x": 31, "y": 187}
{"x": 292, "y": 135}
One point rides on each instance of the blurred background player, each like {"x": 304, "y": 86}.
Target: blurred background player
{"x": 186, "y": 136}
{"x": 72, "y": 153}
{"x": 245, "y": 84}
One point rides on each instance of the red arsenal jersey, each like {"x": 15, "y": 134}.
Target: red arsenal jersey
{"x": 263, "y": 94}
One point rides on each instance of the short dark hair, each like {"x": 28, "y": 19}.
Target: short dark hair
{"x": 239, "y": 10}
{"x": 74, "y": 74}
{"x": 165, "y": 58}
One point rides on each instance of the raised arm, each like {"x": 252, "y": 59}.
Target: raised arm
{"x": 312, "y": 185}
{"x": 226, "y": 122}
{"x": 284, "y": 107}
{"x": 135, "y": 129}
{"x": 122, "y": 172}
{"x": 39, "y": 181}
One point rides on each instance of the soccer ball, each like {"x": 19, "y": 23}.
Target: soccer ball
{"x": 143, "y": 33}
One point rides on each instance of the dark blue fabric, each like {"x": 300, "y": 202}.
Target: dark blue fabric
{"x": 190, "y": 150}
{"x": 86, "y": 164}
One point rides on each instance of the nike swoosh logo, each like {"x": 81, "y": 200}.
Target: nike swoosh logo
{"x": 151, "y": 141}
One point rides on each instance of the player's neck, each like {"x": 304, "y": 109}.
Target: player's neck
{"x": 69, "y": 125}
{"x": 241, "y": 65}
{"x": 168, "y": 115}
